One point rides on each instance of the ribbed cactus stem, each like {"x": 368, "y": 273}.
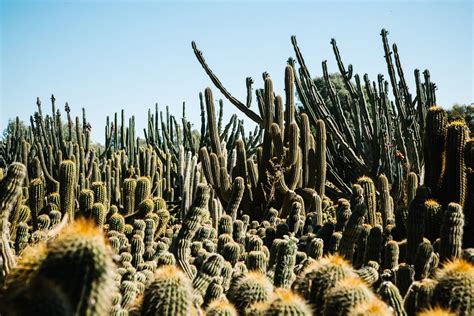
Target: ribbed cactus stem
{"x": 450, "y": 246}
{"x": 10, "y": 189}
{"x": 455, "y": 181}
{"x": 36, "y": 199}
{"x": 412, "y": 186}
{"x": 434, "y": 147}
{"x": 67, "y": 181}
{"x": 370, "y": 198}
{"x": 320, "y": 157}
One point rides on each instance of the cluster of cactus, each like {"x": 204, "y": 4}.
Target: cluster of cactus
{"x": 221, "y": 222}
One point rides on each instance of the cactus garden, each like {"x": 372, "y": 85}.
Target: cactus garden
{"x": 353, "y": 202}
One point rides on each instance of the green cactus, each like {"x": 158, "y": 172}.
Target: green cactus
{"x": 353, "y": 227}
{"x": 345, "y": 295}
{"x": 238, "y": 188}
{"x": 375, "y": 307}
{"x": 79, "y": 262}
{"x": 10, "y": 189}
{"x": 450, "y": 246}
{"x": 252, "y": 288}
{"x": 36, "y": 199}
{"x": 418, "y": 297}
{"x": 221, "y": 307}
{"x": 455, "y": 182}
{"x": 370, "y": 199}
{"x": 320, "y": 157}
{"x": 455, "y": 287}
{"x": 285, "y": 263}
{"x": 390, "y": 294}
{"x": 286, "y": 303}
{"x": 415, "y": 223}
{"x": 67, "y": 184}
{"x": 190, "y": 225}
{"x": 404, "y": 277}
{"x": 142, "y": 190}
{"x": 423, "y": 260}
{"x": 86, "y": 200}
{"x": 169, "y": 293}
{"x": 434, "y": 147}
{"x": 129, "y": 189}
{"x": 319, "y": 278}
{"x": 433, "y": 216}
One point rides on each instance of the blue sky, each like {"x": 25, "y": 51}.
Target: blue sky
{"x": 105, "y": 55}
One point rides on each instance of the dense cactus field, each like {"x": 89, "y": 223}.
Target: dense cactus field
{"x": 359, "y": 203}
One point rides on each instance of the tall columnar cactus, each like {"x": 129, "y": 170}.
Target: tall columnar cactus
{"x": 415, "y": 223}
{"x": 434, "y": 147}
{"x": 455, "y": 182}
{"x": 391, "y": 255}
{"x": 370, "y": 198}
{"x": 433, "y": 212}
{"x": 67, "y": 186}
{"x": 86, "y": 200}
{"x": 142, "y": 190}
{"x": 412, "y": 186}
{"x": 354, "y": 224}
{"x": 423, "y": 260}
{"x": 36, "y": 196}
{"x": 100, "y": 192}
{"x": 238, "y": 188}
{"x": 386, "y": 204}
{"x": 10, "y": 189}
{"x": 169, "y": 293}
{"x": 285, "y": 263}
{"x": 469, "y": 203}
{"x": 191, "y": 223}
{"x": 450, "y": 246}
{"x": 320, "y": 157}
{"x": 129, "y": 188}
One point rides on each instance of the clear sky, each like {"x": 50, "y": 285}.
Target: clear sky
{"x": 108, "y": 55}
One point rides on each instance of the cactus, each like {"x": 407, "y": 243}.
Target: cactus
{"x": 284, "y": 302}
{"x": 67, "y": 180}
{"x": 434, "y": 147}
{"x": 129, "y": 189}
{"x": 354, "y": 225}
{"x": 389, "y": 293}
{"x": 450, "y": 246}
{"x": 36, "y": 199}
{"x": 319, "y": 278}
{"x": 370, "y": 198}
{"x": 252, "y": 288}
{"x": 415, "y": 223}
{"x": 285, "y": 263}
{"x": 345, "y": 295}
{"x": 320, "y": 157}
{"x": 10, "y": 189}
{"x": 419, "y": 296}
{"x": 79, "y": 262}
{"x": 455, "y": 177}
{"x": 455, "y": 287}
{"x": 168, "y": 294}
{"x": 221, "y": 307}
